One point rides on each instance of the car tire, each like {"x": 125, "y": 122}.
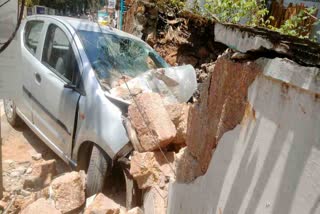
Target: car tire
{"x": 11, "y": 113}
{"x": 97, "y": 171}
{"x": 133, "y": 193}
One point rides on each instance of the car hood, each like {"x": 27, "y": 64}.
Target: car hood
{"x": 174, "y": 84}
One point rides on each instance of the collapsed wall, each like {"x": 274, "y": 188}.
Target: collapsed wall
{"x": 268, "y": 162}
{"x": 252, "y": 140}
{"x": 259, "y": 114}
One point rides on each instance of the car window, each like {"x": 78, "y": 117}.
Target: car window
{"x": 58, "y": 55}
{"x": 32, "y": 35}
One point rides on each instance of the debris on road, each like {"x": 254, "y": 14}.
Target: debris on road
{"x": 41, "y": 175}
{"x": 179, "y": 116}
{"x": 102, "y": 204}
{"x": 67, "y": 192}
{"x": 151, "y": 169}
{"x": 14, "y": 174}
{"x": 135, "y": 210}
{"x": 37, "y": 156}
{"x": 41, "y": 205}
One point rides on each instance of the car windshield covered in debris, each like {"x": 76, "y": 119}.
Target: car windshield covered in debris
{"x": 113, "y": 56}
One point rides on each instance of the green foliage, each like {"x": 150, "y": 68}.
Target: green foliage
{"x": 30, "y": 3}
{"x": 297, "y": 26}
{"x": 254, "y": 13}
{"x": 234, "y": 11}
{"x": 177, "y": 3}
{"x": 195, "y": 7}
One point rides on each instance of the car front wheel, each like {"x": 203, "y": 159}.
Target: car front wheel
{"x": 97, "y": 171}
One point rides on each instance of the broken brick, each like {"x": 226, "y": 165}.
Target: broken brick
{"x": 151, "y": 121}
{"x": 40, "y": 206}
{"x": 26, "y": 201}
{"x": 41, "y": 175}
{"x": 68, "y": 192}
{"x": 135, "y": 210}
{"x": 179, "y": 116}
{"x": 102, "y": 204}
{"x": 3, "y": 204}
{"x": 151, "y": 168}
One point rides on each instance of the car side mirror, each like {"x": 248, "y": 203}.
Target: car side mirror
{"x": 74, "y": 88}
{"x": 70, "y": 86}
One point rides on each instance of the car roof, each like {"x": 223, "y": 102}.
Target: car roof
{"x": 83, "y": 24}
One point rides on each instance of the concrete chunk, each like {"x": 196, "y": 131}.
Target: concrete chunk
{"x": 102, "y": 205}
{"x": 161, "y": 130}
{"x": 151, "y": 168}
{"x": 244, "y": 41}
{"x": 41, "y": 175}
{"x": 135, "y": 210}
{"x": 179, "y": 116}
{"x": 36, "y": 156}
{"x": 68, "y": 192}
{"x": 41, "y": 206}
{"x": 247, "y": 39}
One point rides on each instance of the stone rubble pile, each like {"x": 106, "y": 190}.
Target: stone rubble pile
{"x": 42, "y": 190}
{"x": 41, "y": 175}
{"x": 161, "y": 132}
{"x": 198, "y": 127}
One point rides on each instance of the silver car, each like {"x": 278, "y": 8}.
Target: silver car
{"x": 70, "y": 94}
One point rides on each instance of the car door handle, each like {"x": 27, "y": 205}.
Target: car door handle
{"x": 38, "y": 77}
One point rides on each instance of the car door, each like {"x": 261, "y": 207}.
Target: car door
{"x": 55, "y": 105}
{"x": 32, "y": 31}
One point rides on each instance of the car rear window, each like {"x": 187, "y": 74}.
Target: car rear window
{"x": 32, "y": 34}
{"x": 58, "y": 54}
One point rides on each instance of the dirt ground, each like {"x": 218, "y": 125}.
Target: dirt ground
{"x": 18, "y": 146}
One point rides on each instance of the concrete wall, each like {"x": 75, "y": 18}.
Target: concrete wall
{"x": 270, "y": 163}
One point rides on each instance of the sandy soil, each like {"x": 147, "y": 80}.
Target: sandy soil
{"x": 18, "y": 146}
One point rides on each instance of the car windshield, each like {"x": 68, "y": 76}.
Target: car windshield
{"x": 114, "y": 56}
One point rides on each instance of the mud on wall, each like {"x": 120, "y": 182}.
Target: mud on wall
{"x": 182, "y": 38}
